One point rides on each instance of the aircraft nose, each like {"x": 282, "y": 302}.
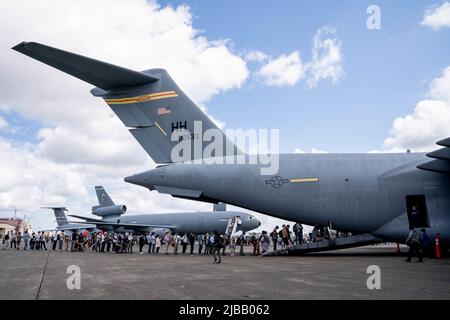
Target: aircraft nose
{"x": 131, "y": 179}
{"x": 252, "y": 224}
{"x": 138, "y": 179}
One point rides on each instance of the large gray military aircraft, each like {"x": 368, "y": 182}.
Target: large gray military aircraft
{"x": 377, "y": 194}
{"x": 113, "y": 218}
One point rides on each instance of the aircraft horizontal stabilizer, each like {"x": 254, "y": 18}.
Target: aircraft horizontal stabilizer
{"x": 85, "y": 218}
{"x": 441, "y": 163}
{"x": 436, "y": 166}
{"x": 101, "y": 74}
{"x": 441, "y": 154}
{"x": 149, "y": 103}
{"x": 70, "y": 227}
{"x": 444, "y": 142}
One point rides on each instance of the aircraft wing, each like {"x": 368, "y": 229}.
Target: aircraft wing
{"x": 120, "y": 224}
{"x": 129, "y": 225}
{"x": 69, "y": 228}
{"x": 441, "y": 162}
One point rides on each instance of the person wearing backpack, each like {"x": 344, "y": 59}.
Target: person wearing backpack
{"x": 413, "y": 242}
{"x": 274, "y": 237}
{"x": 264, "y": 239}
{"x": 298, "y": 231}
{"x": 216, "y": 246}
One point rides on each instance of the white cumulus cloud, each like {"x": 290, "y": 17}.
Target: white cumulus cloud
{"x": 420, "y": 130}
{"x": 284, "y": 70}
{"x": 256, "y": 56}
{"x": 287, "y": 70}
{"x": 326, "y": 63}
{"x": 437, "y": 17}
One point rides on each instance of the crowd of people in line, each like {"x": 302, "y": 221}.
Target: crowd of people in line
{"x": 105, "y": 242}
{"x": 214, "y": 244}
{"x": 156, "y": 243}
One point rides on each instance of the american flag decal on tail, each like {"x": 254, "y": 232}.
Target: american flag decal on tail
{"x": 164, "y": 110}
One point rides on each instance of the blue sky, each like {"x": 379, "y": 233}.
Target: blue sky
{"x": 387, "y": 70}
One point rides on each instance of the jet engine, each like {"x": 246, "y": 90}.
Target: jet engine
{"x": 159, "y": 231}
{"x": 116, "y": 210}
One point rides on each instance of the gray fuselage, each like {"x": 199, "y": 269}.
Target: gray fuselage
{"x": 196, "y": 222}
{"x": 356, "y": 192}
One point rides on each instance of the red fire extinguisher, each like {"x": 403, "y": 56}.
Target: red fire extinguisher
{"x": 438, "y": 247}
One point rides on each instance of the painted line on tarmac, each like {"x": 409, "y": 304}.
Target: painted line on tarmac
{"x": 43, "y": 275}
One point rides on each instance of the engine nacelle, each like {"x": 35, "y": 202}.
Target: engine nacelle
{"x": 116, "y": 210}
{"x": 159, "y": 231}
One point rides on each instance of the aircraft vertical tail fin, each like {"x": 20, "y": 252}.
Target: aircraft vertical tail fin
{"x": 161, "y": 116}
{"x": 60, "y": 216}
{"x": 104, "y": 199}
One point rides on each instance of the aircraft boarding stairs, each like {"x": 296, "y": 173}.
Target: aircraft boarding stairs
{"x": 232, "y": 226}
{"x": 326, "y": 245}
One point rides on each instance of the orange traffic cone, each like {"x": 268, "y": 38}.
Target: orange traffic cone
{"x": 438, "y": 247}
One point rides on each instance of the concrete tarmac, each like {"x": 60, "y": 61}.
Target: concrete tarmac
{"x": 330, "y": 275}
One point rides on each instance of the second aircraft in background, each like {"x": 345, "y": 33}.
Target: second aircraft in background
{"x": 113, "y": 218}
